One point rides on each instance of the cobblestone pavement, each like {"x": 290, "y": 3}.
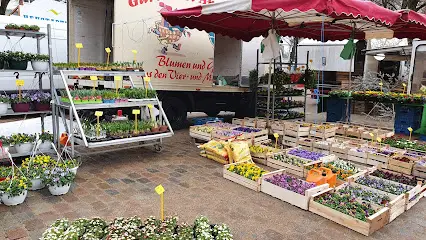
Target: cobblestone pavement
{"x": 122, "y": 184}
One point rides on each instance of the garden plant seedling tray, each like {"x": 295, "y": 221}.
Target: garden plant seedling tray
{"x": 296, "y": 199}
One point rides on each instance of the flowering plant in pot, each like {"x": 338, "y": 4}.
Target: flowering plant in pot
{"x": 41, "y": 100}
{"x": 23, "y": 142}
{"x": 59, "y": 180}
{"x": 73, "y": 164}
{"x": 2, "y": 59}
{"x": 35, "y": 167}
{"x": 46, "y": 139}
{"x": 4, "y": 104}
{"x": 13, "y": 190}
{"x": 108, "y": 96}
{"x": 20, "y": 104}
{"x": 40, "y": 62}
{"x": 18, "y": 60}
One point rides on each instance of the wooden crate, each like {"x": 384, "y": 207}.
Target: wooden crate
{"x": 296, "y": 129}
{"x": 354, "y": 132}
{"x": 278, "y": 127}
{"x": 341, "y": 129}
{"x": 355, "y": 156}
{"x": 298, "y": 200}
{"x": 256, "y": 137}
{"x": 323, "y": 133}
{"x": 375, "y": 159}
{"x": 396, "y": 205}
{"x": 199, "y": 134}
{"x": 253, "y": 185}
{"x": 305, "y": 143}
{"x": 262, "y": 157}
{"x": 416, "y": 198}
{"x": 217, "y": 136}
{"x": 401, "y": 167}
{"x": 341, "y": 153}
{"x": 373, "y": 223}
{"x": 292, "y": 169}
{"x": 290, "y": 141}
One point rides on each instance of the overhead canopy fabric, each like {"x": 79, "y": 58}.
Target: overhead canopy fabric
{"x": 246, "y": 19}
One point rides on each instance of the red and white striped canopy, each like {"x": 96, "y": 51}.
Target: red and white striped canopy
{"x": 246, "y": 19}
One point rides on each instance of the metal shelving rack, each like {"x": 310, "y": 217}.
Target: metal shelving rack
{"x": 273, "y": 97}
{"x": 155, "y": 140}
{"x": 38, "y": 36}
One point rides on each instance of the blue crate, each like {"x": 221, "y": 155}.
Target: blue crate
{"x": 336, "y": 109}
{"x": 204, "y": 120}
{"x": 422, "y": 137}
{"x": 407, "y": 116}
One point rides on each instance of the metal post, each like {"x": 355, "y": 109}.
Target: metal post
{"x": 52, "y": 87}
{"x": 269, "y": 94}
{"x": 71, "y": 133}
{"x": 307, "y": 67}
{"x": 349, "y": 89}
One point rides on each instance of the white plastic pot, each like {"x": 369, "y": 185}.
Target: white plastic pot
{"x": 40, "y": 66}
{"x": 74, "y": 170}
{"x": 24, "y": 147}
{"x": 13, "y": 201}
{"x": 55, "y": 190}
{"x": 37, "y": 184}
{"x": 3, "y": 108}
{"x": 45, "y": 146}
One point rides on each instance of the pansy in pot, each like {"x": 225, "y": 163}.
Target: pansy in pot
{"x": 13, "y": 190}
{"x": 23, "y": 142}
{"x": 59, "y": 180}
{"x": 35, "y": 167}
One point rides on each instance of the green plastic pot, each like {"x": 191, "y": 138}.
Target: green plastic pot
{"x": 18, "y": 65}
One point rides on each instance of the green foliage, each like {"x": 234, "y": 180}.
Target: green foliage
{"x": 15, "y": 186}
{"x": 308, "y": 78}
{"x": 254, "y": 80}
{"x": 40, "y": 57}
{"x": 17, "y": 56}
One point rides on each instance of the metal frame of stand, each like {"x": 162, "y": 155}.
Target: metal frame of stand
{"x": 148, "y": 140}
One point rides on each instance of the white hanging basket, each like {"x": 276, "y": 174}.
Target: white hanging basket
{"x": 13, "y": 201}
{"x": 74, "y": 170}
{"x": 37, "y": 184}
{"x": 45, "y": 146}
{"x": 24, "y": 147}
{"x": 3, "y": 108}
{"x": 55, "y": 190}
{"x": 40, "y": 66}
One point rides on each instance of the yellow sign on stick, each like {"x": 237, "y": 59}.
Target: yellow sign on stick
{"x": 160, "y": 191}
{"x": 404, "y": 85}
{"x": 134, "y": 56}
{"x": 136, "y": 111}
{"x": 94, "y": 79}
{"x": 99, "y": 113}
{"x": 117, "y": 80}
{"x": 108, "y": 50}
{"x": 372, "y": 137}
{"x": 411, "y": 131}
{"x": 276, "y": 135}
{"x": 20, "y": 83}
{"x": 379, "y": 140}
{"x": 98, "y": 124}
{"x": 147, "y": 79}
{"x": 79, "y": 46}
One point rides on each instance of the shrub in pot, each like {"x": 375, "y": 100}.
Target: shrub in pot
{"x": 41, "y": 100}
{"x": 20, "y": 104}
{"x": 34, "y": 169}
{"x": 13, "y": 190}
{"x": 59, "y": 180}
{"x": 23, "y": 142}
{"x": 11, "y": 26}
{"x": 34, "y": 28}
{"x": 46, "y": 141}
{"x": 40, "y": 62}
{"x": 17, "y": 60}
{"x": 4, "y": 104}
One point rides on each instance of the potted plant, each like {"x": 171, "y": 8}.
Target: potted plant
{"x": 34, "y": 28}
{"x": 59, "y": 180}
{"x": 2, "y": 59}
{"x": 41, "y": 100}
{"x": 13, "y": 190}
{"x": 154, "y": 127}
{"x": 108, "y": 96}
{"x": 72, "y": 164}
{"x": 17, "y": 60}
{"x": 11, "y": 26}
{"x": 24, "y": 27}
{"x": 163, "y": 128}
{"x": 23, "y": 142}
{"x": 4, "y": 104}
{"x": 40, "y": 62}
{"x": 35, "y": 167}
{"x": 20, "y": 104}
{"x": 46, "y": 141}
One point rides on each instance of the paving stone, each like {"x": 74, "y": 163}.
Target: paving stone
{"x": 174, "y": 174}
{"x": 34, "y": 224}
{"x": 112, "y": 192}
{"x": 103, "y": 185}
{"x": 180, "y": 170}
{"x": 112, "y": 180}
{"x": 17, "y": 233}
{"x": 134, "y": 175}
{"x": 143, "y": 180}
{"x": 127, "y": 180}
{"x": 152, "y": 170}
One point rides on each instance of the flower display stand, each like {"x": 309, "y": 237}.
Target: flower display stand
{"x": 298, "y": 200}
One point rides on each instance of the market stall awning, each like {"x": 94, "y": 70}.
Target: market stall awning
{"x": 411, "y": 25}
{"x": 246, "y": 19}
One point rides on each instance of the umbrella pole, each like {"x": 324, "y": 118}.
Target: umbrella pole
{"x": 349, "y": 89}
{"x": 269, "y": 93}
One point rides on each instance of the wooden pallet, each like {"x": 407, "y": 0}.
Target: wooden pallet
{"x": 253, "y": 185}
{"x": 373, "y": 223}
{"x": 298, "y": 200}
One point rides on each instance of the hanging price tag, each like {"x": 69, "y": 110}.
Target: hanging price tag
{"x": 136, "y": 111}
{"x": 159, "y": 189}
{"x": 108, "y": 50}
{"x": 79, "y": 45}
{"x": 20, "y": 83}
{"x": 99, "y": 113}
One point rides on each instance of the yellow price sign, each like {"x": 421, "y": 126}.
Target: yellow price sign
{"x": 159, "y": 189}
{"x": 20, "y": 83}
{"x": 149, "y": 106}
{"x": 79, "y": 45}
{"x": 99, "y": 113}
{"x": 147, "y": 79}
{"x": 276, "y": 135}
{"x": 410, "y": 129}
{"x": 93, "y": 78}
{"x": 381, "y": 84}
{"x": 404, "y": 85}
{"x": 379, "y": 140}
{"x": 118, "y": 78}
{"x": 108, "y": 50}
{"x": 134, "y": 51}
{"x": 371, "y": 134}
{"x": 136, "y": 111}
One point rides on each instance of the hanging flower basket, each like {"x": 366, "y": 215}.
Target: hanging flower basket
{"x": 57, "y": 191}
{"x": 13, "y": 201}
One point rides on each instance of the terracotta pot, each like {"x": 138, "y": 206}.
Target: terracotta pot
{"x": 155, "y": 129}
{"x": 163, "y": 128}
{"x": 21, "y": 107}
{"x": 42, "y": 106}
